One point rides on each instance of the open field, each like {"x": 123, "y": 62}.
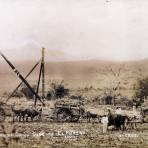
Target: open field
{"x": 86, "y": 78}
{"x": 49, "y": 134}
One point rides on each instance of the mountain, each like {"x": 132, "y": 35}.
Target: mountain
{"x": 97, "y": 73}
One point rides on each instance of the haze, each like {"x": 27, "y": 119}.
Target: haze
{"x": 74, "y": 29}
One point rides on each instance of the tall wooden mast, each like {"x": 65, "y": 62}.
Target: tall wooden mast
{"x": 43, "y": 73}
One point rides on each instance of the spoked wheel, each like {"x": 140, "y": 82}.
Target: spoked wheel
{"x": 2, "y": 115}
{"x": 64, "y": 116}
{"x": 75, "y": 118}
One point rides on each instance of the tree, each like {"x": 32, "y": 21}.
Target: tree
{"x": 114, "y": 76}
{"x": 60, "y": 91}
{"x": 57, "y": 91}
{"x": 142, "y": 89}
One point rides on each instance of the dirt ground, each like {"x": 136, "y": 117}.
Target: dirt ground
{"x": 36, "y": 135}
{"x": 51, "y": 134}
{"x": 46, "y": 133}
{"x": 82, "y": 75}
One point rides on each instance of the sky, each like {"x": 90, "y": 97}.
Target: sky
{"x": 74, "y": 29}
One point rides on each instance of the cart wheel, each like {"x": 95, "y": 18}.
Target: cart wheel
{"x": 75, "y": 118}
{"x": 64, "y": 115}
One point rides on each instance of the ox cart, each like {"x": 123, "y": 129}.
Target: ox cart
{"x": 67, "y": 110}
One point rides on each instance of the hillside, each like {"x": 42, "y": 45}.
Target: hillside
{"x": 78, "y": 74}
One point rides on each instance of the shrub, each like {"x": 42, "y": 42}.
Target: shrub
{"x": 141, "y": 90}
{"x": 60, "y": 91}
{"x": 27, "y": 92}
{"x": 57, "y": 91}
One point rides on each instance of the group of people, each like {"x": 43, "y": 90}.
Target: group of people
{"x": 106, "y": 119}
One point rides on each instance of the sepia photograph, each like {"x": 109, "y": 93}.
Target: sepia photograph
{"x": 73, "y": 73}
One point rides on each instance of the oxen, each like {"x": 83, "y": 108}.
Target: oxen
{"x": 17, "y": 113}
{"x": 133, "y": 121}
{"x": 118, "y": 121}
{"x": 32, "y": 113}
{"x": 90, "y": 116}
{"x": 25, "y": 113}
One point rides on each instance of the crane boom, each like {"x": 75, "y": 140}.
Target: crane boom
{"x": 21, "y": 77}
{"x": 22, "y": 81}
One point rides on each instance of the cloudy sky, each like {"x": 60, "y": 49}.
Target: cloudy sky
{"x": 74, "y": 29}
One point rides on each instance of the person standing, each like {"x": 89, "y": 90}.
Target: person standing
{"x": 135, "y": 113}
{"x": 104, "y": 121}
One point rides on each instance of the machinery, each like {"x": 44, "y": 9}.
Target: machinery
{"x": 19, "y": 75}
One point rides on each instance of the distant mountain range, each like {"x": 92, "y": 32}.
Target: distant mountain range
{"x": 75, "y": 68}
{"x": 99, "y": 74}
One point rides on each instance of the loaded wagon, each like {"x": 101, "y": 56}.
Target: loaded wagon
{"x": 67, "y": 110}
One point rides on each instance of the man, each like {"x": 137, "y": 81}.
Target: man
{"x": 109, "y": 114}
{"x": 104, "y": 121}
{"x": 118, "y": 111}
{"x": 135, "y": 113}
